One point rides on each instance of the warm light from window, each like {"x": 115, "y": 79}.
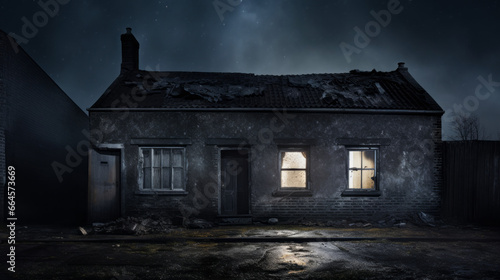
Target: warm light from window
{"x": 362, "y": 169}
{"x": 293, "y": 170}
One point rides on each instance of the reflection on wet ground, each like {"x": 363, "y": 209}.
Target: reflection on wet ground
{"x": 312, "y": 260}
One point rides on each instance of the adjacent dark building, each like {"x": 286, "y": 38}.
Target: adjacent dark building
{"x": 42, "y": 137}
{"x": 243, "y": 146}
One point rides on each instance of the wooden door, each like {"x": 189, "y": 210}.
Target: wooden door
{"x": 104, "y": 185}
{"x": 234, "y": 183}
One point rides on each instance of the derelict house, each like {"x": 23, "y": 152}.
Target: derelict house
{"x": 40, "y": 129}
{"x": 242, "y": 146}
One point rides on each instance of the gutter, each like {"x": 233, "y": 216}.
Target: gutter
{"x": 296, "y": 110}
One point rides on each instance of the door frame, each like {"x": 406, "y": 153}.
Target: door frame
{"x": 119, "y": 149}
{"x": 219, "y": 172}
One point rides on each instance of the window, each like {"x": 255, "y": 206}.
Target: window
{"x": 293, "y": 168}
{"x": 162, "y": 169}
{"x": 362, "y": 171}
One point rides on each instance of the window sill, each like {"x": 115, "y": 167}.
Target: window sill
{"x": 372, "y": 193}
{"x": 161, "y": 193}
{"x": 292, "y": 193}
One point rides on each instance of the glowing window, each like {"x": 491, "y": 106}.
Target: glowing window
{"x": 362, "y": 169}
{"x": 293, "y": 165}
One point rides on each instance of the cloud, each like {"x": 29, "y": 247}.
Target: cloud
{"x": 446, "y": 45}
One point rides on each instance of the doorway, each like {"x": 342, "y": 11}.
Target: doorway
{"x": 235, "y": 199}
{"x": 104, "y": 185}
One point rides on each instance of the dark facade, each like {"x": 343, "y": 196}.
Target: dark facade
{"x": 39, "y": 126}
{"x": 226, "y": 145}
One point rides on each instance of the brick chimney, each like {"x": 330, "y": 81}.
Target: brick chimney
{"x": 130, "y": 52}
{"x": 401, "y": 66}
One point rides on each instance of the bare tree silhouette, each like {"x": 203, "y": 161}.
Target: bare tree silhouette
{"x": 466, "y": 127}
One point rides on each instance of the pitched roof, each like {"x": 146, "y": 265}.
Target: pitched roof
{"x": 358, "y": 90}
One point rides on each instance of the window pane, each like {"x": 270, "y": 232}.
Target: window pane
{"x": 293, "y": 160}
{"x": 178, "y": 178}
{"x": 354, "y": 179}
{"x": 156, "y": 178}
{"x": 165, "y": 173}
{"x": 146, "y": 154}
{"x": 293, "y": 179}
{"x": 368, "y": 182}
{"x": 163, "y": 168}
{"x": 147, "y": 178}
{"x": 368, "y": 159}
{"x": 165, "y": 157}
{"x": 156, "y": 157}
{"x": 177, "y": 158}
{"x": 354, "y": 159}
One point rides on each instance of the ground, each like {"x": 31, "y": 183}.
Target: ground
{"x": 259, "y": 252}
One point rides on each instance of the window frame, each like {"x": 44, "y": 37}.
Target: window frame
{"x": 171, "y": 188}
{"x": 375, "y": 191}
{"x": 305, "y": 150}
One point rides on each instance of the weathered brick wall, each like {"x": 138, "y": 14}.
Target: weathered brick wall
{"x": 408, "y": 174}
{"x": 438, "y": 159}
{"x": 407, "y": 164}
{"x": 41, "y": 122}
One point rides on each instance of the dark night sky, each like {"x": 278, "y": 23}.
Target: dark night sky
{"x": 447, "y": 45}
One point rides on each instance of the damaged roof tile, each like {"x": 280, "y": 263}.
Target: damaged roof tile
{"x": 395, "y": 90}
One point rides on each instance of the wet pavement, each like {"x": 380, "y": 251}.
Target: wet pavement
{"x": 262, "y": 233}
{"x": 258, "y": 252}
